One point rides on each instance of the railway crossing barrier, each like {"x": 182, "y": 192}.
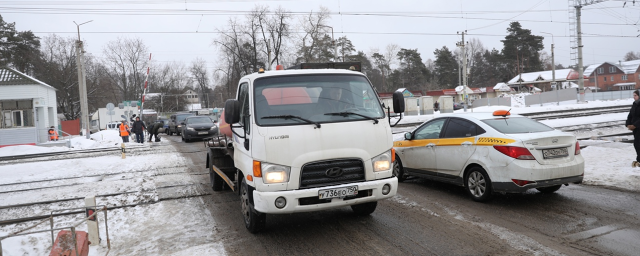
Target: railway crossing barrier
{"x": 93, "y": 216}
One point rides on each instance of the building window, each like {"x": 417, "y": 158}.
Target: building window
{"x": 605, "y": 78}
{"x": 600, "y": 70}
{"x": 624, "y": 77}
{"x": 612, "y": 69}
{"x": 17, "y": 113}
{"x": 611, "y": 78}
{"x": 592, "y": 80}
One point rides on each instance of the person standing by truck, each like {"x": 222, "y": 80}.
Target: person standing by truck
{"x": 138, "y": 128}
{"x": 124, "y": 131}
{"x": 632, "y": 123}
{"x": 153, "y": 130}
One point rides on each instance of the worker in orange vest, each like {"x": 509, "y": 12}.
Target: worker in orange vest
{"x": 124, "y": 131}
{"x": 53, "y": 134}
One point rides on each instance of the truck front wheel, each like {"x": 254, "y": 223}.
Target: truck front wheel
{"x": 364, "y": 209}
{"x": 253, "y": 220}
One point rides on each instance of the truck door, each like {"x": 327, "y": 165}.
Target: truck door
{"x": 242, "y": 149}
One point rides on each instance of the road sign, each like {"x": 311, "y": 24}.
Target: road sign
{"x": 110, "y": 106}
{"x": 111, "y": 112}
{"x": 120, "y": 105}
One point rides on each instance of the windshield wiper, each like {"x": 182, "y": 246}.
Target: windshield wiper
{"x": 291, "y": 117}
{"x": 375, "y": 121}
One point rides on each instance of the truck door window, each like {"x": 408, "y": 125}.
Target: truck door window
{"x": 243, "y": 98}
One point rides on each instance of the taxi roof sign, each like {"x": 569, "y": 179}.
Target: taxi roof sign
{"x": 502, "y": 113}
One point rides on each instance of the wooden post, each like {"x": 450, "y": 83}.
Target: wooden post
{"x": 92, "y": 224}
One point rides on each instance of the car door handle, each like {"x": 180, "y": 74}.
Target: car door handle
{"x": 430, "y": 145}
{"x": 467, "y": 143}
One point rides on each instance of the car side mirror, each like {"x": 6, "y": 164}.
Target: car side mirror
{"x": 408, "y": 136}
{"x": 182, "y": 123}
{"x": 398, "y": 102}
{"x": 232, "y": 111}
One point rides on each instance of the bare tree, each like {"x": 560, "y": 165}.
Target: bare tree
{"x": 127, "y": 61}
{"x": 274, "y": 30}
{"x": 58, "y": 68}
{"x": 199, "y": 73}
{"x": 632, "y": 56}
{"x": 313, "y": 43}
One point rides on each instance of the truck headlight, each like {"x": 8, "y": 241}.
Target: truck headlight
{"x": 273, "y": 173}
{"x": 382, "y": 162}
{"x": 190, "y": 129}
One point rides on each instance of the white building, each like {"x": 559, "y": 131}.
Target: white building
{"x": 28, "y": 108}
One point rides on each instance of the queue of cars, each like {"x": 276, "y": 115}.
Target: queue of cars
{"x": 190, "y": 126}
{"x": 490, "y": 152}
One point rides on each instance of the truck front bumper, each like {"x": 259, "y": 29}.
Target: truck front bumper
{"x": 307, "y": 200}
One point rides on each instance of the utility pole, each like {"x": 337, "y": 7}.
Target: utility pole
{"x": 553, "y": 68}
{"x": 84, "y": 105}
{"x": 461, "y": 44}
{"x": 578, "y": 4}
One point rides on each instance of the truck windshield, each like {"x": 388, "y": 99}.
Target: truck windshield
{"x": 311, "y": 97}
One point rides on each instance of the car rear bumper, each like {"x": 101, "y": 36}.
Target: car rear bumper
{"x": 510, "y": 187}
{"x": 306, "y": 200}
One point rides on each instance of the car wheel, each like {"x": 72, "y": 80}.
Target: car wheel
{"x": 364, "y": 209}
{"x": 254, "y": 221}
{"x": 549, "y": 190}
{"x": 216, "y": 180}
{"x": 398, "y": 171}
{"x": 478, "y": 184}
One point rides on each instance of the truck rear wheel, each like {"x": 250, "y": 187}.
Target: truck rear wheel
{"x": 254, "y": 221}
{"x": 364, "y": 209}
{"x": 216, "y": 180}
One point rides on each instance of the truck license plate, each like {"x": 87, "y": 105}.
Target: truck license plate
{"x": 338, "y": 192}
{"x": 555, "y": 153}
{"x": 200, "y": 133}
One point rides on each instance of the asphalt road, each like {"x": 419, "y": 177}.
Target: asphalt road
{"x": 430, "y": 218}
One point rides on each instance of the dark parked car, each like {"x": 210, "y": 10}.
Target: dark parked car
{"x": 197, "y": 127}
{"x": 176, "y": 121}
{"x": 457, "y": 106}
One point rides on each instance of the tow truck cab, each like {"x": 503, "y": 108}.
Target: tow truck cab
{"x": 291, "y": 143}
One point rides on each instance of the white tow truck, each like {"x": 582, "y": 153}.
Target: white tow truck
{"x": 305, "y": 140}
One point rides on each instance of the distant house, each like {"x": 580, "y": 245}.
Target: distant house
{"x": 28, "y": 108}
{"x": 611, "y": 76}
{"x": 529, "y": 82}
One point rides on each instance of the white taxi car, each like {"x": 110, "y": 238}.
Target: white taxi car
{"x": 490, "y": 152}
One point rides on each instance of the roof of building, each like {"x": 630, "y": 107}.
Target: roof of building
{"x": 628, "y": 67}
{"x": 10, "y": 76}
{"x": 544, "y": 76}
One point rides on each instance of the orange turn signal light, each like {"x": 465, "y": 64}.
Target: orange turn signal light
{"x": 257, "y": 169}
{"x": 393, "y": 155}
{"x": 249, "y": 178}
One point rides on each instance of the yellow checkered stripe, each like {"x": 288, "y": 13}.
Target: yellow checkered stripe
{"x": 482, "y": 141}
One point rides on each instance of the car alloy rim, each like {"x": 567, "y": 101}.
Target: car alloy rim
{"x": 477, "y": 184}
{"x": 245, "y": 204}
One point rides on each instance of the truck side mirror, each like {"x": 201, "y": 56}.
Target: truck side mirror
{"x": 232, "y": 111}
{"x": 398, "y": 102}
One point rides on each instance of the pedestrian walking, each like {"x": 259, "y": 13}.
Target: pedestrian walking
{"x": 138, "y": 128}
{"x": 53, "y": 134}
{"x": 633, "y": 123}
{"x": 124, "y": 131}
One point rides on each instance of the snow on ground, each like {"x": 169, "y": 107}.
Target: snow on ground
{"x": 137, "y": 230}
{"x": 143, "y": 229}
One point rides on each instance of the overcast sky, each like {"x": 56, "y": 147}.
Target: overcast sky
{"x": 183, "y": 30}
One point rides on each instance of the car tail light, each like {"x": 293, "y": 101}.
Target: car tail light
{"x": 515, "y": 152}
{"x": 577, "y": 148}
{"x": 521, "y": 183}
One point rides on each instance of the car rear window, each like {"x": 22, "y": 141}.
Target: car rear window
{"x": 517, "y": 125}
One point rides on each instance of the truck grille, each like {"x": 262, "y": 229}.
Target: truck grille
{"x": 332, "y": 172}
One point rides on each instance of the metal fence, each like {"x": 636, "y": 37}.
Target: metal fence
{"x": 551, "y": 96}
{"x": 491, "y": 102}
{"x": 610, "y": 95}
